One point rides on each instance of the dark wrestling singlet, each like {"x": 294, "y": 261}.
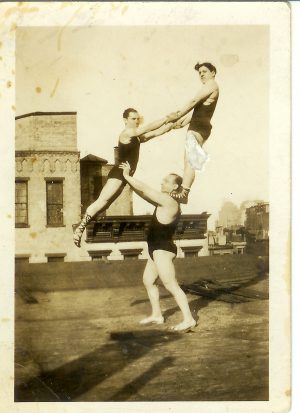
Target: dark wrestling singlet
{"x": 160, "y": 235}
{"x": 128, "y": 152}
{"x": 201, "y": 117}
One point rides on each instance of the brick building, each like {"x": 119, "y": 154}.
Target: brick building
{"x": 257, "y": 221}
{"x": 47, "y": 198}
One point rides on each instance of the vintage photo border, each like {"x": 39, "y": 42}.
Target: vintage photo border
{"x": 277, "y": 16}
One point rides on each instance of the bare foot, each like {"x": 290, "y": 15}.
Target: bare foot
{"x": 152, "y": 320}
{"x": 185, "y": 326}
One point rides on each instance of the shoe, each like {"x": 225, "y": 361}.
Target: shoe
{"x": 78, "y": 229}
{"x": 77, "y": 238}
{"x": 185, "y": 327}
{"x": 152, "y": 320}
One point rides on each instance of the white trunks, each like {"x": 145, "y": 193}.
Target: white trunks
{"x": 196, "y": 156}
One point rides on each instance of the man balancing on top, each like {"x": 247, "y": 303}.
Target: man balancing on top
{"x": 204, "y": 104}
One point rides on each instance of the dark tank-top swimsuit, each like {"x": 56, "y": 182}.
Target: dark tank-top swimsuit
{"x": 160, "y": 236}
{"x": 127, "y": 152}
{"x": 201, "y": 117}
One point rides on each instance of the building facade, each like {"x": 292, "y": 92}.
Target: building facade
{"x": 124, "y": 237}
{"x": 227, "y": 241}
{"x": 47, "y": 191}
{"x": 257, "y": 221}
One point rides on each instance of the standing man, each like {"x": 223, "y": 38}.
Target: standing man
{"x": 204, "y": 104}
{"x": 162, "y": 249}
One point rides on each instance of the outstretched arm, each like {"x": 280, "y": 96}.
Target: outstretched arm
{"x": 165, "y": 128}
{"x": 209, "y": 87}
{"x": 143, "y": 190}
{"x": 141, "y": 130}
{"x": 181, "y": 123}
{"x": 158, "y": 132}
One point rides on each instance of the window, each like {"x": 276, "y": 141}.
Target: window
{"x": 99, "y": 255}
{"x": 54, "y": 196}
{"x": 56, "y": 257}
{"x": 22, "y": 259}
{"x": 131, "y": 254}
{"x": 191, "y": 251}
{"x": 188, "y": 254}
{"x": 21, "y": 203}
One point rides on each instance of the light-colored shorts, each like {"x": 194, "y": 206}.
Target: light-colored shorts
{"x": 196, "y": 155}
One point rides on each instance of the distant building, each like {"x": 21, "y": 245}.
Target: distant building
{"x": 54, "y": 188}
{"x": 224, "y": 241}
{"x": 257, "y": 221}
{"x": 243, "y": 208}
{"x": 229, "y": 215}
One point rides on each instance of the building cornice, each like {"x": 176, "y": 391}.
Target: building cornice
{"x": 135, "y": 228}
{"x": 26, "y": 115}
{"x": 45, "y": 152}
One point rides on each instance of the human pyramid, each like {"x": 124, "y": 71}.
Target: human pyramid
{"x": 174, "y": 188}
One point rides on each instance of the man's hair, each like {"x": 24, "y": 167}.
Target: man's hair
{"x": 127, "y": 111}
{"x": 206, "y": 64}
{"x": 177, "y": 179}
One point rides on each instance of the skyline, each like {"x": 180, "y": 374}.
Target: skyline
{"x": 141, "y": 69}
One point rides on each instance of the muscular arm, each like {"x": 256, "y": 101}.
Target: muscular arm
{"x": 149, "y": 194}
{"x": 165, "y": 128}
{"x": 209, "y": 87}
{"x": 181, "y": 123}
{"x": 158, "y": 132}
{"x": 141, "y": 130}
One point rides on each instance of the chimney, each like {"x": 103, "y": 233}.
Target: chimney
{"x": 116, "y": 154}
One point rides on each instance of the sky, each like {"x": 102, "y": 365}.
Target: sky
{"x": 100, "y": 71}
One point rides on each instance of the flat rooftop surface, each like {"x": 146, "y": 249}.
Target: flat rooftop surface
{"x": 86, "y": 344}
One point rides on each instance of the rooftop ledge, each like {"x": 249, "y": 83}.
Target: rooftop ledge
{"x": 44, "y": 114}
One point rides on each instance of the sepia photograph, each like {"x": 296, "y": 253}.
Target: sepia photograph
{"x": 148, "y": 244}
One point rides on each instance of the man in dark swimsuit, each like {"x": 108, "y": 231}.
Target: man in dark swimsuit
{"x": 162, "y": 250}
{"x": 204, "y": 104}
{"x": 129, "y": 146}
{"x": 160, "y": 236}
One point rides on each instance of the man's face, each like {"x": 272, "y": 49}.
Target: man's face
{"x": 133, "y": 120}
{"x": 205, "y": 74}
{"x": 168, "y": 184}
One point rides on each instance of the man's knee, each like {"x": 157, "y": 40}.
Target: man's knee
{"x": 147, "y": 282}
{"x": 101, "y": 200}
{"x": 170, "y": 285}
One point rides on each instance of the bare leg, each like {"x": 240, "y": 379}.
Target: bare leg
{"x": 166, "y": 271}
{"x": 106, "y": 196}
{"x": 111, "y": 189}
{"x": 149, "y": 277}
{"x": 188, "y": 174}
